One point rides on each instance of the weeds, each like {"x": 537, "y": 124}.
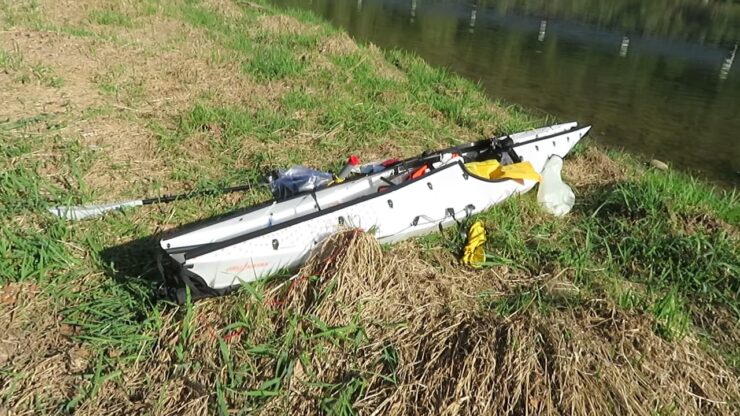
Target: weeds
{"x": 672, "y": 319}
{"x": 110, "y": 17}
{"x": 10, "y": 61}
{"x": 590, "y": 314}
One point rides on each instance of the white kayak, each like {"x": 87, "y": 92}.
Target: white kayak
{"x": 215, "y": 257}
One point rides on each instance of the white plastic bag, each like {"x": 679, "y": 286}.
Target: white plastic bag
{"x": 298, "y": 179}
{"x": 554, "y": 195}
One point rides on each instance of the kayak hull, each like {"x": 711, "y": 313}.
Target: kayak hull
{"x": 215, "y": 258}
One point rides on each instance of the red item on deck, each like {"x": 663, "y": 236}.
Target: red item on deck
{"x": 419, "y": 172}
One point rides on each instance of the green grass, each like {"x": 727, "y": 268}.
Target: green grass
{"x": 116, "y": 83}
{"x": 273, "y": 63}
{"x": 660, "y": 244}
{"x": 10, "y": 61}
{"x": 109, "y": 17}
{"x": 46, "y": 76}
{"x": 17, "y": 13}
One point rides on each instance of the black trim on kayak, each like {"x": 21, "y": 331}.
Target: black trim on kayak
{"x": 185, "y": 279}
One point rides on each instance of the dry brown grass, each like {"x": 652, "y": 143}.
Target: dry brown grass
{"x": 135, "y": 160}
{"x": 455, "y": 358}
{"x": 593, "y": 168}
{"x": 384, "y": 68}
{"x": 449, "y": 353}
{"x": 36, "y": 346}
{"x": 24, "y": 95}
{"x": 230, "y": 8}
{"x": 339, "y": 44}
{"x": 66, "y": 12}
{"x": 282, "y": 24}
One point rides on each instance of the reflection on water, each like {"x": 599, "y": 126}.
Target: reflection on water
{"x": 724, "y": 72}
{"x": 653, "y": 77}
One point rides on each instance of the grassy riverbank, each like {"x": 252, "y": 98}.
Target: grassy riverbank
{"x": 630, "y": 304}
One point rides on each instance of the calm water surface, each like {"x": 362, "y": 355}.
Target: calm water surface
{"x": 654, "y": 77}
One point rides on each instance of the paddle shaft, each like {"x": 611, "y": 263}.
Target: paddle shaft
{"x": 195, "y": 194}
{"x": 94, "y": 210}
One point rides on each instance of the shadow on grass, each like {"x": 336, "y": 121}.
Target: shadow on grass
{"x": 133, "y": 266}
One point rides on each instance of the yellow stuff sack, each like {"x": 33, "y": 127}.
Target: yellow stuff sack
{"x": 474, "y": 255}
{"x": 492, "y": 169}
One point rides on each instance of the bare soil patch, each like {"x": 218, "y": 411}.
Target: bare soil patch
{"x": 74, "y": 60}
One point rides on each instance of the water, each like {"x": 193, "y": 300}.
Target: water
{"x": 654, "y": 77}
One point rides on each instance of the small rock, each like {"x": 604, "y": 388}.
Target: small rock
{"x": 7, "y": 298}
{"x": 68, "y": 330}
{"x": 78, "y": 359}
{"x": 657, "y": 164}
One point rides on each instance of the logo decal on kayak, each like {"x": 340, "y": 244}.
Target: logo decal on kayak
{"x": 247, "y": 266}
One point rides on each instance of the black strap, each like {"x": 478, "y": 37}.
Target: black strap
{"x": 315, "y": 200}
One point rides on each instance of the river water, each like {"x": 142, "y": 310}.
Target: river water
{"x": 658, "y": 78}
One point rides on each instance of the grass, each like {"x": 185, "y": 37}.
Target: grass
{"x": 658, "y": 231}
{"x": 274, "y": 63}
{"x": 586, "y": 314}
{"x": 10, "y": 61}
{"x": 110, "y": 17}
{"x": 13, "y": 63}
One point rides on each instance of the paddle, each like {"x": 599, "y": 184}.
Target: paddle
{"x": 94, "y": 210}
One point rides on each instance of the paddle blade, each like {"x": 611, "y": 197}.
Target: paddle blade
{"x": 90, "y": 211}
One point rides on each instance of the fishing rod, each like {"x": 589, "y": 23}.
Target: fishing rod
{"x": 94, "y": 210}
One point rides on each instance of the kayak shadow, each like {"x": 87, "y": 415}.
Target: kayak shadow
{"x": 606, "y": 201}
{"x": 133, "y": 265}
